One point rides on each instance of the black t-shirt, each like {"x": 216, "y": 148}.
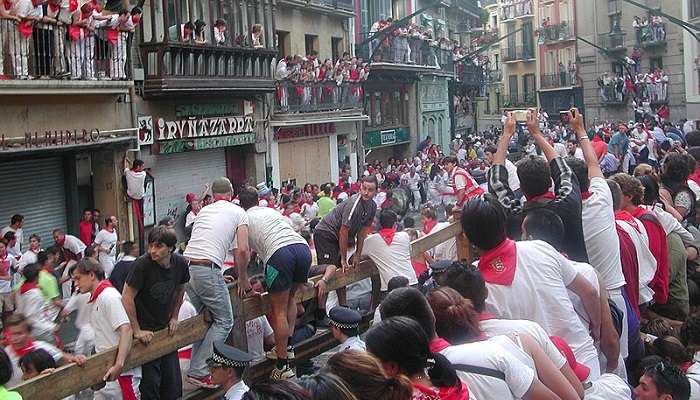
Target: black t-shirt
{"x": 156, "y": 288}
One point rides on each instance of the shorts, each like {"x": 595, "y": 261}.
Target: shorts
{"x": 6, "y": 303}
{"x": 288, "y": 265}
{"x": 327, "y": 249}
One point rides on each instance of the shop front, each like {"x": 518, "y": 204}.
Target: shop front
{"x": 380, "y": 145}
{"x": 53, "y": 170}
{"x": 187, "y": 152}
{"x": 313, "y": 153}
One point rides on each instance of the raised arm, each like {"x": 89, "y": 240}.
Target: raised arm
{"x": 589, "y": 156}
{"x": 533, "y": 126}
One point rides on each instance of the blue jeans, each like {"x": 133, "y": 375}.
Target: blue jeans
{"x": 207, "y": 289}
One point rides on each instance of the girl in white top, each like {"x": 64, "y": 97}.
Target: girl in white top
{"x": 457, "y": 321}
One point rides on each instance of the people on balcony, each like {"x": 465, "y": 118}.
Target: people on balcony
{"x": 515, "y": 8}
{"x": 220, "y": 32}
{"x": 198, "y": 33}
{"x": 649, "y": 30}
{"x": 256, "y": 36}
{"x": 306, "y": 84}
{"x": 67, "y": 40}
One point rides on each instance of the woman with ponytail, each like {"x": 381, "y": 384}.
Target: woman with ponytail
{"x": 402, "y": 346}
{"x": 457, "y": 321}
{"x": 364, "y": 376}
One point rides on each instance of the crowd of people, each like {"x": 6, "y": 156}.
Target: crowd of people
{"x": 649, "y": 29}
{"x": 515, "y": 8}
{"x": 596, "y": 228}
{"x": 648, "y": 90}
{"x": 65, "y": 40}
{"x": 307, "y": 81}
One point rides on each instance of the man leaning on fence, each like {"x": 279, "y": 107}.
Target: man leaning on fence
{"x": 152, "y": 297}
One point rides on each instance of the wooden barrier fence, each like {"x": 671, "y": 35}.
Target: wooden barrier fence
{"x": 71, "y": 379}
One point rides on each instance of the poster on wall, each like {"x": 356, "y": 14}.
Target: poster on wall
{"x": 145, "y": 130}
{"x": 149, "y": 202}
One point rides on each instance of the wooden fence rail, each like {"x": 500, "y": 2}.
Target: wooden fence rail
{"x": 71, "y": 379}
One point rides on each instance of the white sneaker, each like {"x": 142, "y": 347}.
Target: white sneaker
{"x": 272, "y": 354}
{"x": 283, "y": 374}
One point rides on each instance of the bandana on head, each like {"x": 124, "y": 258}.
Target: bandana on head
{"x": 498, "y": 264}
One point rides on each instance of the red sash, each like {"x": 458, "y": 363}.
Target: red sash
{"x": 659, "y": 248}
{"x": 26, "y": 27}
{"x": 498, "y": 264}
{"x": 627, "y": 217}
{"x": 428, "y": 225}
{"x": 99, "y": 289}
{"x": 388, "y": 235}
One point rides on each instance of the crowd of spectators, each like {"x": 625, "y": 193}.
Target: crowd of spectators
{"x": 516, "y": 8}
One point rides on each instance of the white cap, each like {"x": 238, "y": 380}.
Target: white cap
{"x": 262, "y": 203}
{"x": 342, "y": 196}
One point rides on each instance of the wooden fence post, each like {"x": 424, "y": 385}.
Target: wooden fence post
{"x": 238, "y": 337}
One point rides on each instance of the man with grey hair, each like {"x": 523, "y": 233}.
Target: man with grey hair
{"x": 218, "y": 227}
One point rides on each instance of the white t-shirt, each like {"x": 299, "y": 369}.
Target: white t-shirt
{"x": 578, "y": 153}
{"x": 391, "y": 260}
{"x": 7, "y": 264}
{"x": 214, "y": 231}
{"x": 513, "y": 180}
{"x": 74, "y": 245}
{"x": 586, "y": 271}
{"x": 18, "y": 235}
{"x": 268, "y": 231}
{"x": 79, "y": 302}
{"x": 187, "y": 311}
{"x": 541, "y": 277}
{"x": 494, "y": 327}
{"x": 602, "y": 242}
{"x": 236, "y": 391}
{"x": 560, "y": 148}
{"x": 29, "y": 257}
{"x": 135, "y": 183}
{"x": 353, "y": 343}
{"x": 411, "y": 181}
{"x": 256, "y": 331}
{"x": 107, "y": 240}
{"x": 189, "y": 219}
{"x": 462, "y": 154}
{"x": 645, "y": 258}
{"x": 446, "y": 250}
{"x": 36, "y": 308}
{"x": 489, "y": 354}
{"x": 14, "y": 359}
{"x": 309, "y": 211}
{"x": 608, "y": 387}
{"x": 670, "y": 223}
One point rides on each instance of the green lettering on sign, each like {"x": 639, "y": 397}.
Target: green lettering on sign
{"x": 215, "y": 142}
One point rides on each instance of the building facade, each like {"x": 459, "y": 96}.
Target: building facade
{"x": 559, "y": 85}
{"x": 518, "y": 52}
{"x": 691, "y": 60}
{"x": 490, "y": 108}
{"x": 655, "y": 46}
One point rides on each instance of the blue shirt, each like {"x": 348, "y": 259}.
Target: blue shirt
{"x": 618, "y": 144}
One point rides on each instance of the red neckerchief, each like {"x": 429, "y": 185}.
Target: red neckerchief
{"x": 27, "y": 286}
{"x": 485, "y": 316}
{"x": 428, "y": 225}
{"x": 72, "y": 5}
{"x": 585, "y": 195}
{"x": 99, "y": 289}
{"x": 459, "y": 392}
{"x": 439, "y": 344}
{"x": 622, "y": 215}
{"x": 61, "y": 242}
{"x": 684, "y": 366}
{"x": 638, "y": 212}
{"x": 388, "y": 235}
{"x": 544, "y": 196}
{"x": 498, "y": 264}
{"x": 7, "y": 5}
{"x": 54, "y": 7}
{"x": 31, "y": 346}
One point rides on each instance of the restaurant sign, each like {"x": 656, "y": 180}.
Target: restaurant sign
{"x": 192, "y": 128}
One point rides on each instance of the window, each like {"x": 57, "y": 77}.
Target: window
{"x": 495, "y": 62}
{"x": 488, "y": 103}
{"x": 527, "y": 35}
{"x": 494, "y": 22}
{"x": 694, "y": 9}
{"x": 615, "y": 25}
{"x": 311, "y": 43}
{"x": 337, "y": 48}
{"x": 387, "y": 107}
{"x": 513, "y": 85}
{"x": 529, "y": 84}
{"x": 656, "y": 62}
{"x": 283, "y": 43}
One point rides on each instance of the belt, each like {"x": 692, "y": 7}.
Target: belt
{"x": 203, "y": 263}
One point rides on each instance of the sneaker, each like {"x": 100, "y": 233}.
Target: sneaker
{"x": 203, "y": 382}
{"x": 272, "y": 354}
{"x": 283, "y": 374}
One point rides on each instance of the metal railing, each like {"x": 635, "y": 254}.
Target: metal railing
{"x": 522, "y": 100}
{"x": 515, "y": 9}
{"x": 49, "y": 51}
{"x": 613, "y": 94}
{"x": 518, "y": 53}
{"x": 402, "y": 50}
{"x": 486, "y": 3}
{"x": 651, "y": 35}
{"x": 556, "y": 33}
{"x": 613, "y": 41}
{"x": 318, "y": 96}
{"x": 561, "y": 79}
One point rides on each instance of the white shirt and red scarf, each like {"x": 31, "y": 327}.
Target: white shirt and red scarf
{"x": 462, "y": 180}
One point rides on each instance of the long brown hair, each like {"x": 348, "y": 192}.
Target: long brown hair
{"x": 364, "y": 375}
{"x": 456, "y": 320}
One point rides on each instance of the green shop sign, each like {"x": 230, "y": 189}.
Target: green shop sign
{"x": 386, "y": 137}
{"x": 183, "y": 145}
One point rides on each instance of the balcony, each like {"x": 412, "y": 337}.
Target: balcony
{"x": 318, "y": 96}
{"x": 396, "y": 53}
{"x": 556, "y": 33}
{"x": 561, "y": 80}
{"x": 471, "y": 75}
{"x": 174, "y": 68}
{"x": 652, "y": 36}
{"x": 613, "y": 42}
{"x": 612, "y": 95}
{"x": 488, "y": 3}
{"x": 520, "y": 101}
{"x": 47, "y": 62}
{"x": 518, "y": 53}
{"x": 516, "y": 9}
{"x": 342, "y": 8}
